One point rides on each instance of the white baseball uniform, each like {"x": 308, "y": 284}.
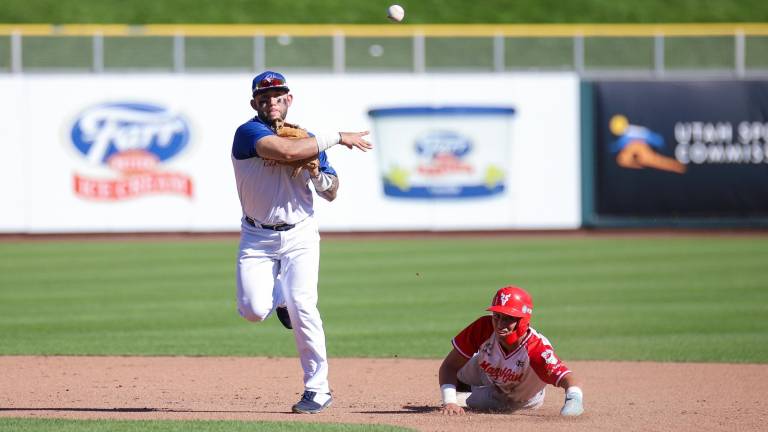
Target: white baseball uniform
{"x": 279, "y": 256}
{"x": 506, "y": 381}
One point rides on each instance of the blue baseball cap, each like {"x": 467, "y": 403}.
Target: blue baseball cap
{"x": 267, "y": 80}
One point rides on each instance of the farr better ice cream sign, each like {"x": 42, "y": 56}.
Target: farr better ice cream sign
{"x": 132, "y": 143}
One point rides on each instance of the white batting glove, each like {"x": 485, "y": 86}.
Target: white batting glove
{"x": 573, "y": 402}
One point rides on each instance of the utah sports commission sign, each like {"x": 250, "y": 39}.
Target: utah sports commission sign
{"x": 681, "y": 149}
{"x": 131, "y": 142}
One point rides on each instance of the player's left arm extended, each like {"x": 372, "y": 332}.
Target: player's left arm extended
{"x": 574, "y": 397}
{"x": 552, "y": 370}
{"x": 569, "y": 381}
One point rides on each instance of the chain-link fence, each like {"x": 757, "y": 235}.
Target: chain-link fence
{"x": 739, "y": 50}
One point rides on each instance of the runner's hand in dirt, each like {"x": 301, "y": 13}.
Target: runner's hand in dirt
{"x": 451, "y": 409}
{"x": 573, "y": 403}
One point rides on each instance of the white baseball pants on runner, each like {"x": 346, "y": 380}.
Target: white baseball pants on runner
{"x": 276, "y": 267}
{"x": 486, "y": 396}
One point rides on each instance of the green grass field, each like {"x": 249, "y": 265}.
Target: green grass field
{"x": 38, "y": 425}
{"x": 699, "y": 299}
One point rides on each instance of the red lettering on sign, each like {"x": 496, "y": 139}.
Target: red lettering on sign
{"x": 132, "y": 186}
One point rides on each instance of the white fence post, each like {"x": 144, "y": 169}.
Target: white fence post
{"x": 499, "y": 63}
{"x": 658, "y": 55}
{"x": 178, "y": 53}
{"x": 419, "y": 54}
{"x": 98, "y": 52}
{"x": 339, "y": 59}
{"x": 578, "y": 53}
{"x": 740, "y": 53}
{"x": 259, "y": 53}
{"x": 16, "y": 55}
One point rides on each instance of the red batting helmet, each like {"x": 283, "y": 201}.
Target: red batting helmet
{"x": 516, "y": 302}
{"x": 512, "y": 301}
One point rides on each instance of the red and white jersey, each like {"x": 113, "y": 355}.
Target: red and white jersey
{"x": 520, "y": 374}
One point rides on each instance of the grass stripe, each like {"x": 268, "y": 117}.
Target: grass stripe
{"x": 60, "y": 425}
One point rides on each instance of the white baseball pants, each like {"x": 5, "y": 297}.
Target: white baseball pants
{"x": 486, "y": 396}
{"x": 281, "y": 267}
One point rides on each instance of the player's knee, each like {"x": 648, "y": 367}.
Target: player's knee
{"x": 253, "y": 314}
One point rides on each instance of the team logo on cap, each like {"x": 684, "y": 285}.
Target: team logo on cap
{"x": 504, "y": 298}
{"x": 267, "y": 80}
{"x": 132, "y": 140}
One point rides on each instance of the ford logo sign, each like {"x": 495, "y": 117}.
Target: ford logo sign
{"x": 108, "y": 129}
{"x": 443, "y": 143}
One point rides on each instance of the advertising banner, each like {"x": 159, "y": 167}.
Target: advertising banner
{"x": 694, "y": 149}
{"x": 134, "y": 153}
{"x": 445, "y": 152}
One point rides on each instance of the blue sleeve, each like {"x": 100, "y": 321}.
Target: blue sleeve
{"x": 325, "y": 166}
{"x": 246, "y": 136}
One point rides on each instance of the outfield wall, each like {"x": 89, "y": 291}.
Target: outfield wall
{"x": 130, "y": 153}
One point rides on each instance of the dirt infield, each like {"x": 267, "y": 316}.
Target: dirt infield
{"x": 625, "y": 396}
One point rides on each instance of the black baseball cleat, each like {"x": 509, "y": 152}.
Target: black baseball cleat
{"x": 307, "y": 404}
{"x": 285, "y": 319}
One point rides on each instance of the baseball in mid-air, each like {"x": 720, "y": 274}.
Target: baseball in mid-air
{"x": 395, "y": 13}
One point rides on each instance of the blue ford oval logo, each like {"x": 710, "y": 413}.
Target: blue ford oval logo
{"x": 443, "y": 143}
{"x": 104, "y": 130}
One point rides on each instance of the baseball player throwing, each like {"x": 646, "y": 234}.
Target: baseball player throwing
{"x": 279, "y": 257}
{"x": 500, "y": 363}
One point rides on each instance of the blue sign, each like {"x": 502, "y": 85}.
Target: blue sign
{"x": 108, "y": 129}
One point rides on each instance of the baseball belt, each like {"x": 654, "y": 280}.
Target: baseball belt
{"x": 275, "y": 227}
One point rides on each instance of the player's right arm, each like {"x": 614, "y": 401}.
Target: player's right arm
{"x": 294, "y": 149}
{"x": 465, "y": 344}
{"x": 286, "y": 149}
{"x": 450, "y": 367}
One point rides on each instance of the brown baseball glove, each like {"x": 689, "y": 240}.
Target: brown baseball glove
{"x": 290, "y": 130}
